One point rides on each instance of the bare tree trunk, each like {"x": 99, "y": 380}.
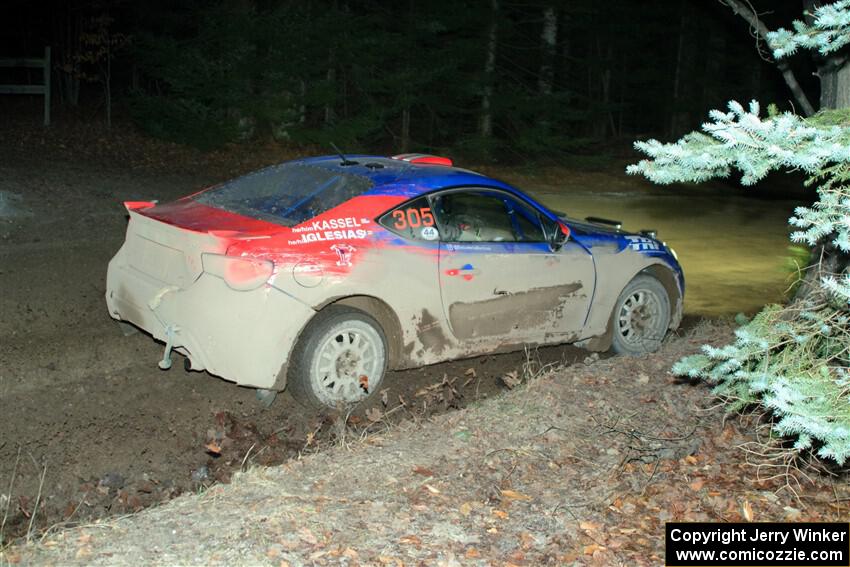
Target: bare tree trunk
{"x": 842, "y": 86}
{"x": 108, "y": 88}
{"x": 566, "y": 52}
{"x": 606, "y": 88}
{"x": 621, "y": 88}
{"x": 743, "y": 10}
{"x": 405, "y": 129}
{"x": 68, "y": 33}
{"x": 486, "y": 127}
{"x": 827, "y": 86}
{"x": 548, "y": 40}
{"x": 546, "y": 79}
{"x": 407, "y": 98}
{"x": 834, "y": 75}
{"x": 678, "y": 117}
{"x": 796, "y": 89}
{"x": 330, "y": 77}
{"x": 606, "y": 122}
{"x": 302, "y": 107}
{"x": 715, "y": 65}
{"x": 833, "y": 71}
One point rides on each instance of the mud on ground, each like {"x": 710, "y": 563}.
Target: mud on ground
{"x": 582, "y": 465}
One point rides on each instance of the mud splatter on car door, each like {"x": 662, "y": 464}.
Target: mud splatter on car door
{"x": 515, "y": 291}
{"x": 502, "y": 275}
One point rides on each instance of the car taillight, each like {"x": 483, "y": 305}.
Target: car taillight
{"x": 424, "y": 159}
{"x": 241, "y": 274}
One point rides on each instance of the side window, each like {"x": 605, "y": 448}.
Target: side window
{"x": 526, "y": 222}
{"x": 412, "y": 220}
{"x": 485, "y": 216}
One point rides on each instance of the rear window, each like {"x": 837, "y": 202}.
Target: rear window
{"x": 286, "y": 194}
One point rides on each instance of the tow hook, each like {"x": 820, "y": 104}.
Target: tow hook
{"x": 165, "y": 363}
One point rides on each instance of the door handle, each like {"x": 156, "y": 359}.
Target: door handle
{"x": 500, "y": 292}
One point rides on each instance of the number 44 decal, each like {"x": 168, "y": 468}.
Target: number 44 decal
{"x": 413, "y": 218}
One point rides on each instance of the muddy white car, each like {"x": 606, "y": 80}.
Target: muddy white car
{"x": 319, "y": 275}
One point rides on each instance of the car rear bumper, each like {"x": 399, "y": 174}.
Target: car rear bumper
{"x": 242, "y": 336}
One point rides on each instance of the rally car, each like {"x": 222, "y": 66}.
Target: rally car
{"x": 318, "y": 275}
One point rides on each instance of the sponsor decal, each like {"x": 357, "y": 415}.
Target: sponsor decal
{"x": 429, "y": 233}
{"x": 342, "y": 228}
{"x": 468, "y": 247}
{"x": 306, "y": 268}
{"x": 331, "y": 235}
{"x": 467, "y": 272}
{"x": 344, "y": 253}
{"x": 641, "y": 243}
{"x": 331, "y": 224}
{"x": 328, "y": 230}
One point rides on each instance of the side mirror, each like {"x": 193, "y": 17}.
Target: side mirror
{"x": 560, "y": 236}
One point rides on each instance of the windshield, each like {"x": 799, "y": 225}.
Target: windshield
{"x": 286, "y": 194}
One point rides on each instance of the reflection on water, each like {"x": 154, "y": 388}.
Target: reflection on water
{"x": 733, "y": 248}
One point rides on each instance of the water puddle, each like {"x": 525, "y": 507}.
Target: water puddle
{"x": 733, "y": 247}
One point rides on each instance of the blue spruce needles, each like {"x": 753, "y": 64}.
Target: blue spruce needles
{"x": 829, "y": 32}
{"x": 792, "y": 360}
{"x": 794, "y": 365}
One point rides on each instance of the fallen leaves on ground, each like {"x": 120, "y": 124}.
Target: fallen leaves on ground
{"x": 563, "y": 470}
{"x": 511, "y": 379}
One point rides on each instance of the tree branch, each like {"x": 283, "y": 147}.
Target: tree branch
{"x": 739, "y": 8}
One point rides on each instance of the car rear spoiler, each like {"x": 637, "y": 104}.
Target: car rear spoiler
{"x": 599, "y": 220}
{"x": 138, "y": 205}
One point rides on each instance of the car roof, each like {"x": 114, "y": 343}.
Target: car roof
{"x": 396, "y": 177}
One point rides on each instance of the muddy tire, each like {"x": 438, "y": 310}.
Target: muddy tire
{"x": 340, "y": 360}
{"x": 641, "y": 317}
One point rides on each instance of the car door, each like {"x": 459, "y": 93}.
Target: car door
{"x": 500, "y": 279}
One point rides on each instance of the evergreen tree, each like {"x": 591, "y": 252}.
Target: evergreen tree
{"x": 549, "y": 78}
{"x": 794, "y": 360}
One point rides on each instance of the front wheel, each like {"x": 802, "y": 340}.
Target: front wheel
{"x": 340, "y": 359}
{"x": 641, "y": 316}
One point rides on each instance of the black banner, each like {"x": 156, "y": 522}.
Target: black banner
{"x": 803, "y": 544}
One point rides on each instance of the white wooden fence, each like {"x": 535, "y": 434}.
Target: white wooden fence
{"x": 42, "y": 89}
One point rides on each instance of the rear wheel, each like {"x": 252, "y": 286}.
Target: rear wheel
{"x": 340, "y": 359}
{"x": 641, "y": 316}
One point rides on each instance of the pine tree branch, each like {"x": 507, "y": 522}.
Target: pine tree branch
{"x": 744, "y": 141}
{"x": 739, "y": 8}
{"x": 826, "y": 30}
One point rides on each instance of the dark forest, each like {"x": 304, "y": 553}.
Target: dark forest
{"x": 486, "y": 78}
